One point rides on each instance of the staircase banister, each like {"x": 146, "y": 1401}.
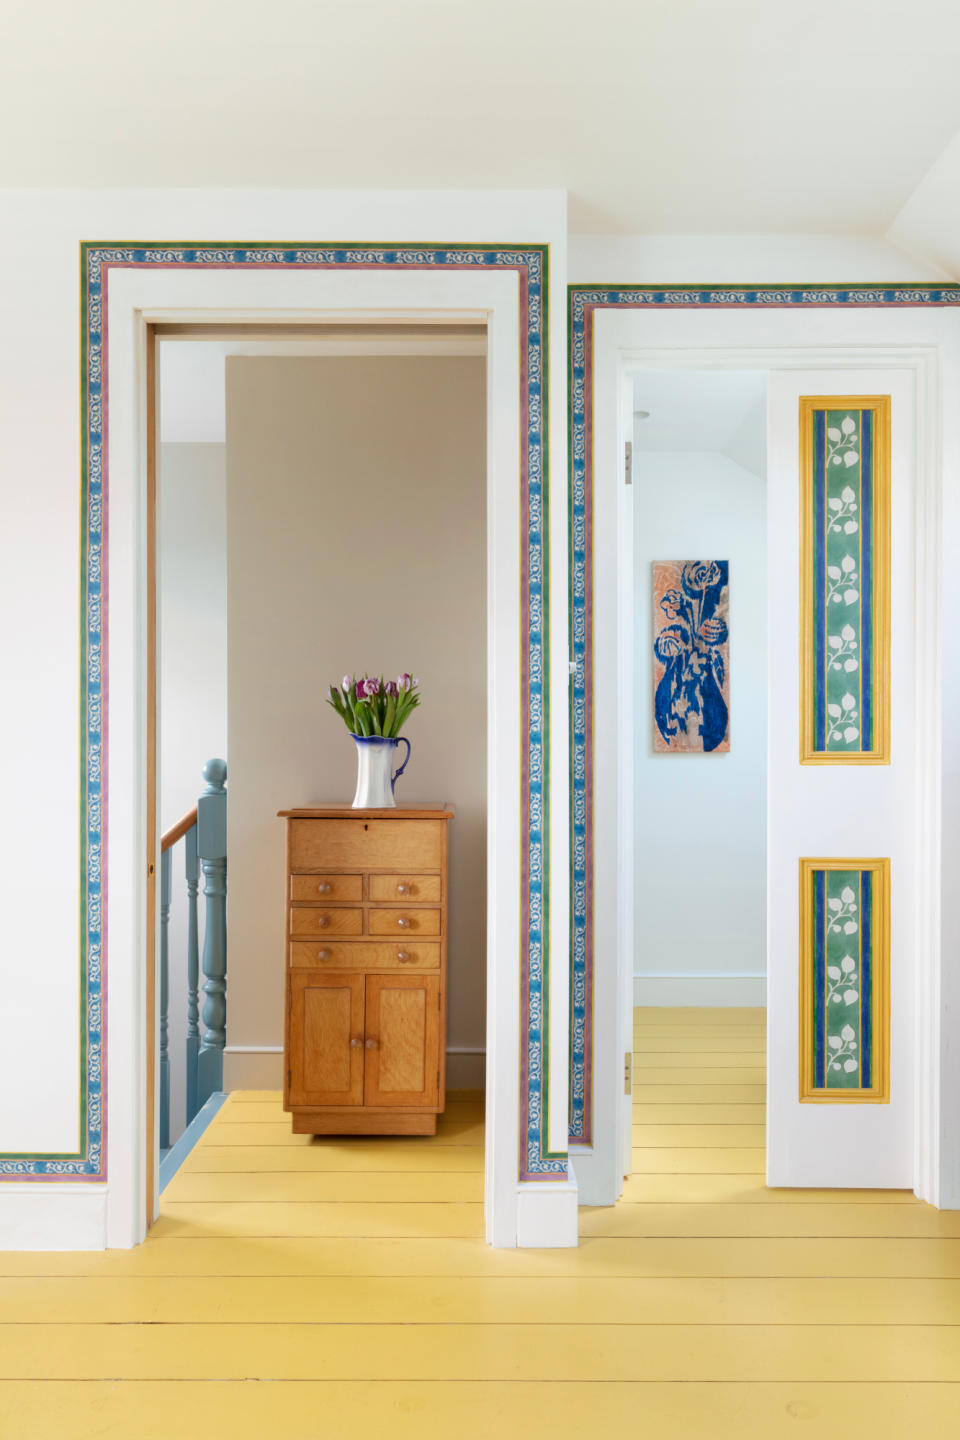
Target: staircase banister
{"x": 177, "y": 832}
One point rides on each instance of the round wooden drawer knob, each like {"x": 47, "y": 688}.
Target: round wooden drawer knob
{"x": 323, "y": 921}
{"x": 404, "y": 956}
{"x": 403, "y": 889}
{"x": 325, "y": 887}
{"x": 373, "y": 1044}
{"x": 355, "y": 1044}
{"x": 403, "y": 922}
{"x": 323, "y": 954}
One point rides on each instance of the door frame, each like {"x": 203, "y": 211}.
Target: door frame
{"x": 610, "y": 351}
{"x": 530, "y": 1199}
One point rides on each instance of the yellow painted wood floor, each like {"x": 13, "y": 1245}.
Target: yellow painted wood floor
{"x": 342, "y": 1288}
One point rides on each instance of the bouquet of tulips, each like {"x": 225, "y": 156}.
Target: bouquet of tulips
{"x": 375, "y": 707}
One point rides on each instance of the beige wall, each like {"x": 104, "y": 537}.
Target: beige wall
{"x": 355, "y": 541}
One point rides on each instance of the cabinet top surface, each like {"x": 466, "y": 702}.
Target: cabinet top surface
{"x": 343, "y": 810}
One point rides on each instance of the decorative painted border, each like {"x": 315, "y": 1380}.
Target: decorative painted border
{"x": 530, "y": 264}
{"x": 583, "y": 303}
{"x": 869, "y": 613}
{"x": 859, "y": 984}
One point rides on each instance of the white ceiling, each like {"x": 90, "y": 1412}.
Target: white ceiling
{"x": 658, "y": 116}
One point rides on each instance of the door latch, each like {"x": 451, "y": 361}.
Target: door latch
{"x": 627, "y": 1073}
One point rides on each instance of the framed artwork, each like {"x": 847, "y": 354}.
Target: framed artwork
{"x": 845, "y": 579}
{"x": 845, "y": 981}
{"x": 691, "y": 656}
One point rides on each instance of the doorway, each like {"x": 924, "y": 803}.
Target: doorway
{"x": 826, "y": 811}
{"x": 321, "y": 512}
{"x": 128, "y": 289}
{"x": 698, "y": 478}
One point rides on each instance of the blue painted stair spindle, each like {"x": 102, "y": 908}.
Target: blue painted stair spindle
{"x": 192, "y": 866}
{"x": 164, "y": 1001}
{"x": 212, "y": 849}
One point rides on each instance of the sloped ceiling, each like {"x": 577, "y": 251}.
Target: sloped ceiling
{"x": 658, "y": 116}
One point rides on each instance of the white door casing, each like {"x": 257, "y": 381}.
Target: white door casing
{"x": 514, "y": 1213}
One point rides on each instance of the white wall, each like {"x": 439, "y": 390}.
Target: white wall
{"x": 192, "y": 608}
{"x": 746, "y": 260}
{"x": 356, "y": 519}
{"x": 700, "y": 825}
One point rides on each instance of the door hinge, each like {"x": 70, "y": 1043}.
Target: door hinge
{"x": 627, "y": 1073}
{"x": 289, "y": 1078}
{"x": 628, "y": 463}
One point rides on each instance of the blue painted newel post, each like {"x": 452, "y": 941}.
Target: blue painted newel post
{"x": 192, "y": 866}
{"x": 164, "y": 1001}
{"x": 212, "y": 850}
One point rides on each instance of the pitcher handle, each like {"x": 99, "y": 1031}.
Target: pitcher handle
{"x": 402, "y": 740}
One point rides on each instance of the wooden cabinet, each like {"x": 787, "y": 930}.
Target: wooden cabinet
{"x": 366, "y": 971}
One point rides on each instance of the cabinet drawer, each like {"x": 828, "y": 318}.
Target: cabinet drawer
{"x": 366, "y": 844}
{"x": 327, "y": 889}
{"x": 405, "y": 889}
{"x": 314, "y": 920}
{"x": 401, "y": 955}
{"x": 403, "y": 922}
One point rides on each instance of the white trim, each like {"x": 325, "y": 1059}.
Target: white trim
{"x": 937, "y": 1088}
{"x": 547, "y": 1215}
{"x": 40, "y": 1216}
{"x": 222, "y": 296}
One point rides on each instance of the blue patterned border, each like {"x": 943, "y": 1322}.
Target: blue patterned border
{"x": 530, "y": 264}
{"x": 583, "y": 302}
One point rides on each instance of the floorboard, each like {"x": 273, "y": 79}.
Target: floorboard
{"x": 353, "y": 1276}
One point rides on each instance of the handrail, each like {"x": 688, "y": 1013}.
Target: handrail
{"x": 177, "y": 832}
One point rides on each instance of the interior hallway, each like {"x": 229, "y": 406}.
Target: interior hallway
{"x": 353, "y": 1273}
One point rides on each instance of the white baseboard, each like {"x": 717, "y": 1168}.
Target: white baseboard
{"x": 703, "y": 990}
{"x": 547, "y": 1215}
{"x": 53, "y": 1217}
{"x": 260, "y": 1067}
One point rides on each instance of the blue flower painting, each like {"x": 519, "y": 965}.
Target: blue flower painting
{"x": 691, "y": 649}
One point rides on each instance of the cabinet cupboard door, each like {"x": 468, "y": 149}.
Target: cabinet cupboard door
{"x": 403, "y": 1040}
{"x": 326, "y": 1039}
